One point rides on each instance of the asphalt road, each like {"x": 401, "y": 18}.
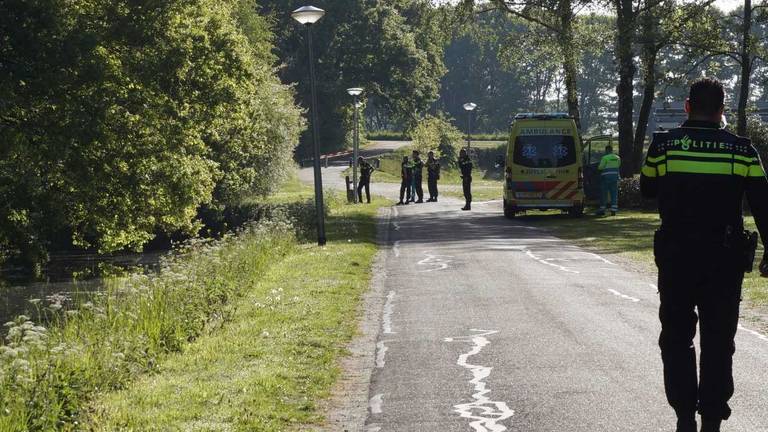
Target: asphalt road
{"x": 490, "y": 325}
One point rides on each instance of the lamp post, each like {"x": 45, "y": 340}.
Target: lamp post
{"x": 307, "y": 16}
{"x": 469, "y": 107}
{"x": 355, "y": 92}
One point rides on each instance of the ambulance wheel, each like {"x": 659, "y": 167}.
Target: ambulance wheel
{"x": 509, "y": 212}
{"x": 576, "y": 212}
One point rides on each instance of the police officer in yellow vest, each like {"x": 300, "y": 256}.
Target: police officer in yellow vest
{"x": 700, "y": 174}
{"x": 609, "y": 180}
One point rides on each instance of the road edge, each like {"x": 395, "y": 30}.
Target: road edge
{"x": 347, "y": 408}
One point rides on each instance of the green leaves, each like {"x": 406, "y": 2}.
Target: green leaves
{"x": 131, "y": 115}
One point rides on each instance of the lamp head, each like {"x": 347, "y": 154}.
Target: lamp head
{"x": 470, "y": 106}
{"x": 307, "y": 14}
{"x": 355, "y": 91}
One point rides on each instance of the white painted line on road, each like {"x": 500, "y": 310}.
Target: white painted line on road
{"x": 381, "y": 352}
{"x": 373, "y": 428}
{"x": 600, "y": 258}
{"x": 438, "y": 261}
{"x": 549, "y": 262}
{"x": 486, "y": 414}
{"x": 376, "y": 403}
{"x": 396, "y": 225}
{"x": 624, "y": 296}
{"x": 396, "y": 248}
{"x": 394, "y": 210}
{"x": 759, "y": 335}
{"x": 388, "y": 309}
{"x": 654, "y": 287}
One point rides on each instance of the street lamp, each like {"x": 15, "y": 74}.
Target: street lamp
{"x": 307, "y": 16}
{"x": 355, "y": 92}
{"x": 469, "y": 107}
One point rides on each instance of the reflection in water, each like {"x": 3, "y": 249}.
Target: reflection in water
{"x": 70, "y": 274}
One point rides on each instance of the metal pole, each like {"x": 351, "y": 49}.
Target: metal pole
{"x": 319, "y": 207}
{"x": 354, "y": 156}
{"x": 469, "y": 130}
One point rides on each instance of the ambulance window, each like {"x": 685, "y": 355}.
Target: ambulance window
{"x": 544, "y": 151}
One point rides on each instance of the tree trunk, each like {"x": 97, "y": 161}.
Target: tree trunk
{"x": 648, "y": 58}
{"x": 570, "y": 69}
{"x": 746, "y": 70}
{"x": 624, "y": 58}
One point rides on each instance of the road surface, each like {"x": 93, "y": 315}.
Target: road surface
{"x": 490, "y": 325}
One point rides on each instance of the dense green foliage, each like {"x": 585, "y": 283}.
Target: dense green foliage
{"x": 391, "y": 48}
{"x": 439, "y": 135}
{"x": 119, "y": 119}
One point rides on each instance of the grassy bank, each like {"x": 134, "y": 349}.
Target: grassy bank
{"x": 243, "y": 331}
{"x": 276, "y": 356}
{"x": 629, "y": 235}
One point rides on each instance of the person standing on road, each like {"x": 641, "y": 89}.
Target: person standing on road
{"x": 366, "y": 170}
{"x": 465, "y": 165}
{"x": 700, "y": 173}
{"x": 406, "y": 174}
{"x": 609, "y": 181}
{"x": 433, "y": 175}
{"x": 418, "y": 171}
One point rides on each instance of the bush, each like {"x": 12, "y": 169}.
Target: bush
{"x": 630, "y": 196}
{"x": 757, "y": 131}
{"x": 439, "y": 135}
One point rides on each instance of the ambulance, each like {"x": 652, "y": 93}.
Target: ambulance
{"x": 544, "y": 165}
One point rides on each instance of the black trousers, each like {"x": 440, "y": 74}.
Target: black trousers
{"x": 432, "y": 186}
{"x": 418, "y": 188}
{"x": 405, "y": 190}
{"x": 367, "y": 185}
{"x": 466, "y": 184}
{"x": 704, "y": 278}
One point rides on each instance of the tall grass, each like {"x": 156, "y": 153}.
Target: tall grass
{"x": 49, "y": 374}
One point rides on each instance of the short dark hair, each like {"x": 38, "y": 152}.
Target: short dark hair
{"x": 707, "y": 96}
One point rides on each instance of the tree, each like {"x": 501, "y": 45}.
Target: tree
{"x": 557, "y": 18}
{"x": 120, "y": 119}
{"x": 393, "y": 49}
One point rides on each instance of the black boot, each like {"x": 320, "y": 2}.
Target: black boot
{"x": 686, "y": 422}
{"x": 709, "y": 425}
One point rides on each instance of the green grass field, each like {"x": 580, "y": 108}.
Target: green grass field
{"x": 276, "y": 357}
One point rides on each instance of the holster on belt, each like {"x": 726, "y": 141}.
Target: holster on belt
{"x": 745, "y": 243}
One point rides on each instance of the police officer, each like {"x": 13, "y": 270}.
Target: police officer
{"x": 609, "y": 180}
{"x": 366, "y": 170}
{"x": 418, "y": 171}
{"x": 465, "y": 165}
{"x": 406, "y": 175}
{"x": 700, "y": 173}
{"x": 433, "y": 175}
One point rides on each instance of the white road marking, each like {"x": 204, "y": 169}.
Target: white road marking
{"x": 376, "y": 403}
{"x": 396, "y": 248}
{"x": 624, "y": 296}
{"x": 381, "y": 352}
{"x": 759, "y": 335}
{"x": 396, "y": 213}
{"x": 484, "y": 413}
{"x": 438, "y": 261}
{"x": 549, "y": 262}
{"x": 654, "y": 286}
{"x": 375, "y": 427}
{"x": 388, "y": 309}
{"x": 600, "y": 258}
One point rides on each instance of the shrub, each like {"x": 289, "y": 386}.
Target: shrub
{"x": 630, "y": 196}
{"x": 757, "y": 131}
{"x": 439, "y": 135}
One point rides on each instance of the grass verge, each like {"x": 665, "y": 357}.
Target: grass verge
{"x": 629, "y": 235}
{"x": 267, "y": 367}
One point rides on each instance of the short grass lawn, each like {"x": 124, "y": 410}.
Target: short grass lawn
{"x": 267, "y": 368}
{"x": 630, "y": 235}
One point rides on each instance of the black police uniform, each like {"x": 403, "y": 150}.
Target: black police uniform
{"x": 365, "y": 181}
{"x": 418, "y": 171}
{"x": 465, "y": 165}
{"x": 700, "y": 173}
{"x": 433, "y": 175}
{"x": 406, "y": 173}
